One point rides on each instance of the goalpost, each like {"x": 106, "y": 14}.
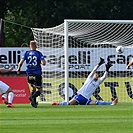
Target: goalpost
{"x": 73, "y": 48}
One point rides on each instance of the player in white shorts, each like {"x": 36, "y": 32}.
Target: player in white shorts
{"x": 6, "y": 91}
{"x": 83, "y": 96}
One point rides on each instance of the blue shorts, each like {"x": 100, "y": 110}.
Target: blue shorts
{"x": 82, "y": 100}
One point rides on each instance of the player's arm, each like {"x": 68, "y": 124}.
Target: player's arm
{"x": 43, "y": 62}
{"x": 103, "y": 77}
{"x": 108, "y": 65}
{"x": 6, "y": 70}
{"x": 96, "y": 67}
{"x": 21, "y": 62}
{"x": 130, "y": 64}
{"x": 20, "y": 65}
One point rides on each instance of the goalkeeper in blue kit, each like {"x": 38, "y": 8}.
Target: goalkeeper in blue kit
{"x": 83, "y": 96}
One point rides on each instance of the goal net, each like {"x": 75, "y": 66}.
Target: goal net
{"x": 71, "y": 51}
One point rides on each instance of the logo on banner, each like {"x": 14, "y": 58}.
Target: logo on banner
{"x": 79, "y": 60}
{"x": 119, "y": 59}
{"x": 11, "y": 57}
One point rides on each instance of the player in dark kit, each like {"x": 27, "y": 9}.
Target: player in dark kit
{"x": 33, "y": 59}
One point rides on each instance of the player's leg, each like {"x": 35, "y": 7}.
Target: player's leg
{"x": 6, "y": 90}
{"x": 98, "y": 103}
{"x": 4, "y": 98}
{"x": 38, "y": 85}
{"x": 90, "y": 102}
{"x": 10, "y": 97}
{"x": 77, "y": 99}
{"x": 32, "y": 80}
{"x": 102, "y": 103}
{"x": 3, "y": 88}
{"x": 33, "y": 91}
{"x": 33, "y": 100}
{"x": 107, "y": 103}
{"x": 71, "y": 102}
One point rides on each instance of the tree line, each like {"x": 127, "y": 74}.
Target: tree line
{"x": 50, "y": 13}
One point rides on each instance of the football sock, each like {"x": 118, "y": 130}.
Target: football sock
{"x": 63, "y": 103}
{"x": 4, "y": 96}
{"x": 36, "y": 94}
{"x": 10, "y": 97}
{"x": 103, "y": 103}
{"x": 32, "y": 93}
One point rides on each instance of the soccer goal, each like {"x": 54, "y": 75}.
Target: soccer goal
{"x": 73, "y": 48}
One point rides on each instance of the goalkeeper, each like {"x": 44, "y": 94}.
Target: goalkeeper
{"x": 83, "y": 96}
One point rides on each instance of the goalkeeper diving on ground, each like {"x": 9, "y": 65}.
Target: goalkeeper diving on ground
{"x": 83, "y": 96}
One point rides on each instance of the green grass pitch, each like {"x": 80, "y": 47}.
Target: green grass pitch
{"x": 67, "y": 119}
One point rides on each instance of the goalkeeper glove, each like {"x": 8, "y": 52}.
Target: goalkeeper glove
{"x": 108, "y": 65}
{"x": 101, "y": 61}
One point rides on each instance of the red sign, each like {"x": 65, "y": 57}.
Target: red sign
{"x": 20, "y": 87}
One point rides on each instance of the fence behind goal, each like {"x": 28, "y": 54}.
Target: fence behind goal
{"x": 73, "y": 48}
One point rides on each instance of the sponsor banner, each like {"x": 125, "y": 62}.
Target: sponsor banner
{"x": 79, "y": 59}
{"x": 84, "y": 59}
{"x": 11, "y": 57}
{"x": 20, "y": 87}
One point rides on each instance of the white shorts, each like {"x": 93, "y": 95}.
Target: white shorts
{"x": 3, "y": 87}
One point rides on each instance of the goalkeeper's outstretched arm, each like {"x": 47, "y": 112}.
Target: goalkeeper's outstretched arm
{"x": 96, "y": 67}
{"x": 108, "y": 65}
{"x": 103, "y": 77}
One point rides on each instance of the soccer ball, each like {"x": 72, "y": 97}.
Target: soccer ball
{"x": 119, "y": 49}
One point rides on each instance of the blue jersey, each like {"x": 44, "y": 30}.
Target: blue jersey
{"x": 33, "y": 61}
